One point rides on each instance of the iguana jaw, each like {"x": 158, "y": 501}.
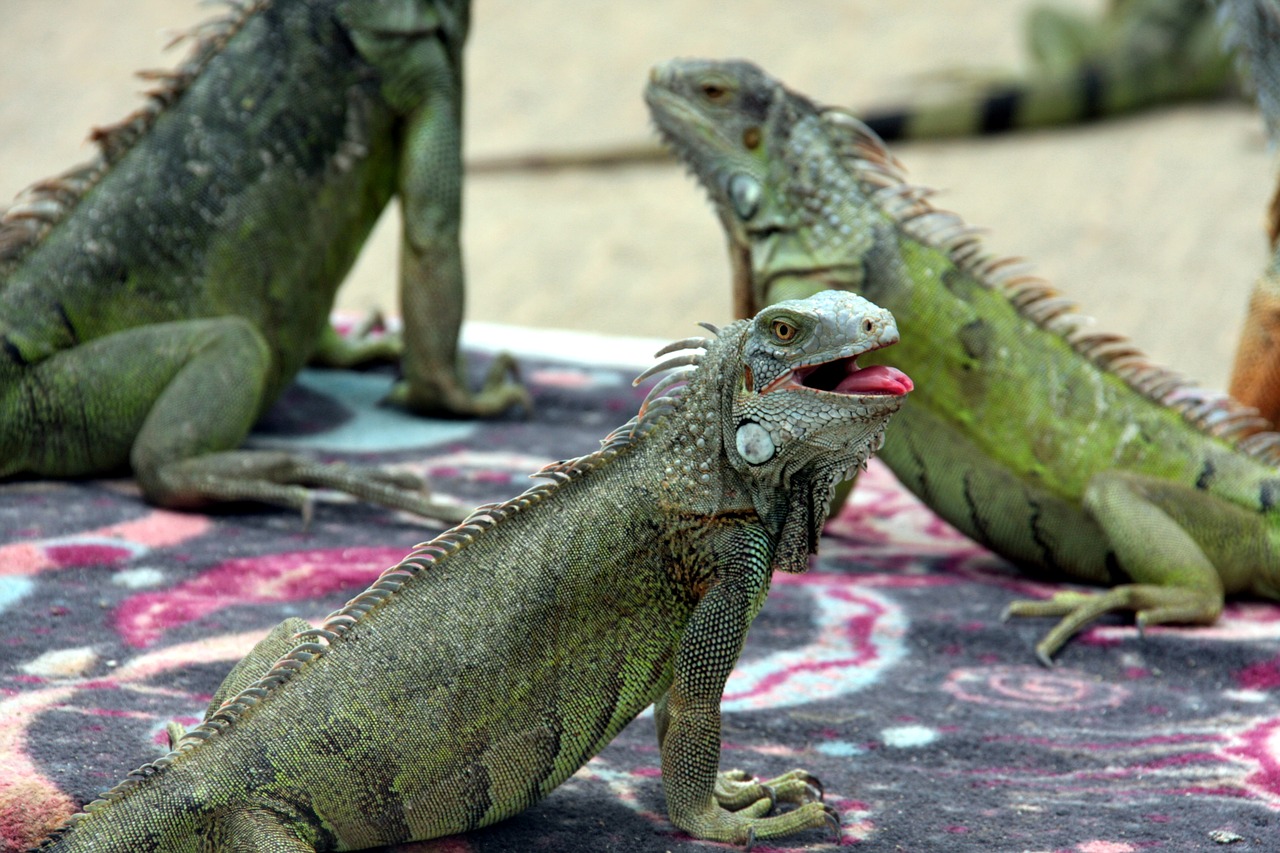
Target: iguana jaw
{"x": 842, "y": 377}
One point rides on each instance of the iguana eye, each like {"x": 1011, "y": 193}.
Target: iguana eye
{"x": 868, "y": 325}
{"x": 714, "y": 91}
{"x": 783, "y": 331}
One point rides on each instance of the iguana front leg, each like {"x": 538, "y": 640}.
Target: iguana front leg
{"x": 737, "y": 789}
{"x": 171, "y": 401}
{"x": 1181, "y": 547}
{"x": 417, "y": 50}
{"x": 701, "y": 801}
{"x": 431, "y": 289}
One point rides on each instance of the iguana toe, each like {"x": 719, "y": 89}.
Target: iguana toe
{"x": 1150, "y": 603}
{"x": 449, "y": 399}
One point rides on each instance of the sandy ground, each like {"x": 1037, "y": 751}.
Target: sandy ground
{"x": 1153, "y": 224}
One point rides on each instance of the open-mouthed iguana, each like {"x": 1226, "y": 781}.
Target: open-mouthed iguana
{"x": 156, "y": 300}
{"x": 482, "y": 670}
{"x": 1051, "y": 444}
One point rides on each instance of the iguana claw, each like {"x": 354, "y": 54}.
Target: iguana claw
{"x": 834, "y": 817}
{"x": 737, "y": 790}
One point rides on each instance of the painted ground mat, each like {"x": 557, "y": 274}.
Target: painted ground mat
{"x": 886, "y": 670}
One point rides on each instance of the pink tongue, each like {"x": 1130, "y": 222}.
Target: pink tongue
{"x": 878, "y": 379}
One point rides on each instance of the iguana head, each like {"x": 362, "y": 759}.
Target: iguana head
{"x": 803, "y": 402}
{"x": 773, "y": 165}
{"x": 772, "y": 413}
{"x": 718, "y": 117}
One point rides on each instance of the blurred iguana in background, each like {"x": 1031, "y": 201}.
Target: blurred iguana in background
{"x": 155, "y": 301}
{"x": 1054, "y": 445}
{"x": 1138, "y": 54}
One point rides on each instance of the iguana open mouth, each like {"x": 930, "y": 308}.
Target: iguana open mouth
{"x": 843, "y": 376}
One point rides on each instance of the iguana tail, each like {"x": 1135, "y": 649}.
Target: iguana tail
{"x": 1088, "y": 93}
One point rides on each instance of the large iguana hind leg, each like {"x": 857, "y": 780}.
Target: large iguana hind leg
{"x": 280, "y": 478}
{"x": 250, "y": 669}
{"x": 182, "y": 456}
{"x": 1182, "y": 548}
{"x": 251, "y": 831}
{"x": 170, "y": 401}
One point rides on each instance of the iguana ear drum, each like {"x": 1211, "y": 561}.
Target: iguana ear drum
{"x": 744, "y": 195}
{"x": 754, "y": 443}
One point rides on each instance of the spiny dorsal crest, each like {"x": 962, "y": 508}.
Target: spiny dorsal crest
{"x": 45, "y": 203}
{"x": 882, "y": 178}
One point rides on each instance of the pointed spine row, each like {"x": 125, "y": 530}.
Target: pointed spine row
{"x": 45, "y": 203}
{"x": 1213, "y": 413}
{"x": 666, "y": 393}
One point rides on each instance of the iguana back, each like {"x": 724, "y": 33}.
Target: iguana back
{"x": 219, "y": 197}
{"x": 479, "y": 684}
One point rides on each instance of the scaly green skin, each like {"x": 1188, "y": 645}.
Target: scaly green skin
{"x": 480, "y": 672}
{"x": 155, "y": 302}
{"x": 1055, "y": 447}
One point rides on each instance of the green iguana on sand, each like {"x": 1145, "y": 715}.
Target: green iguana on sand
{"x": 154, "y": 302}
{"x": 481, "y": 671}
{"x": 1053, "y": 445}
{"x": 1136, "y": 55}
